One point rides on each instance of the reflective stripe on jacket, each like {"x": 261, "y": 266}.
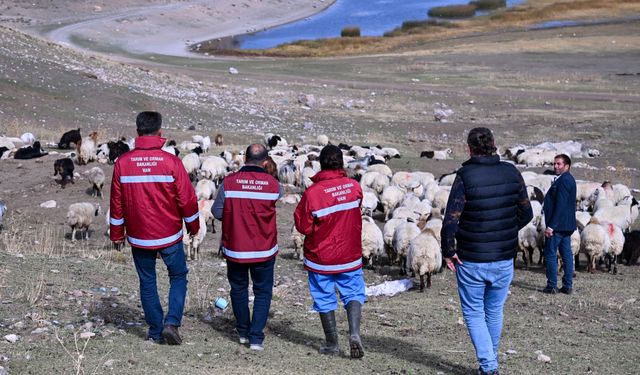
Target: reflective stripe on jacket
{"x": 329, "y": 216}
{"x": 151, "y": 196}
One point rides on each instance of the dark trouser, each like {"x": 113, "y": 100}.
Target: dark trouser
{"x": 262, "y": 278}
{"x": 559, "y": 242}
{"x": 145, "y": 261}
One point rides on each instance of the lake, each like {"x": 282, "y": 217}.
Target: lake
{"x": 374, "y": 17}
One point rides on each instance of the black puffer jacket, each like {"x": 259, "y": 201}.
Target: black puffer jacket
{"x": 496, "y": 208}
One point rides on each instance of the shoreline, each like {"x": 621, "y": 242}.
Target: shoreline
{"x": 140, "y": 31}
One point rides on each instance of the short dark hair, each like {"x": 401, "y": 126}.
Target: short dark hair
{"x": 565, "y": 158}
{"x": 256, "y": 153}
{"x": 331, "y": 158}
{"x": 148, "y": 122}
{"x": 480, "y": 141}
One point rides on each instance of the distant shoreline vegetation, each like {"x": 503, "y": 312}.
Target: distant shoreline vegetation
{"x": 414, "y": 32}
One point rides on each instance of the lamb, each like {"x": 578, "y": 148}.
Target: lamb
{"x": 192, "y": 244}
{"x": 87, "y": 150}
{"x": 372, "y": 241}
{"x": 424, "y": 256}
{"x": 297, "y": 239}
{"x": 64, "y": 167}
{"x": 96, "y": 178}
{"x": 322, "y": 140}
{"x": 205, "y": 189}
{"x": 30, "y": 152}
{"x": 390, "y": 152}
{"x": 204, "y": 208}
{"x": 72, "y": 137}
{"x": 402, "y": 237}
{"x": 80, "y": 216}
{"x": 528, "y": 243}
{"x": 390, "y": 199}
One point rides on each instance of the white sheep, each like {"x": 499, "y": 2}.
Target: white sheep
{"x": 529, "y": 242}
{"x": 424, "y": 256}
{"x": 390, "y": 199}
{"x": 381, "y": 168}
{"x": 290, "y": 198}
{"x": 213, "y": 168}
{"x": 623, "y": 215}
{"x": 204, "y": 142}
{"x": 305, "y": 177}
{"x": 402, "y": 237}
{"x": 192, "y": 243}
{"x": 388, "y": 230}
{"x": 372, "y": 241}
{"x": 88, "y": 149}
{"x": 80, "y": 216}
{"x": 322, "y": 140}
{"x": 404, "y": 212}
{"x": 297, "y": 239}
{"x": 96, "y": 178}
{"x": 594, "y": 243}
{"x": 204, "y": 208}
{"x": 374, "y": 180}
{"x": 369, "y": 203}
{"x": 582, "y": 219}
{"x": 441, "y": 198}
{"x": 390, "y": 152}
{"x": 191, "y": 163}
{"x": 205, "y": 189}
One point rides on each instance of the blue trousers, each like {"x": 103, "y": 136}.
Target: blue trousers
{"x": 483, "y": 289}
{"x": 174, "y": 260}
{"x": 323, "y": 289}
{"x": 560, "y": 241}
{"x": 251, "y": 327}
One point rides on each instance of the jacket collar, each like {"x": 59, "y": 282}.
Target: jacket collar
{"x": 147, "y": 142}
{"x": 252, "y": 168}
{"x": 328, "y": 174}
{"x": 493, "y": 159}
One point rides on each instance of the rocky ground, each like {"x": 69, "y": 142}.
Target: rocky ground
{"x": 577, "y": 83}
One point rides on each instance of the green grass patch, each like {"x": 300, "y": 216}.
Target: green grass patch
{"x": 453, "y": 11}
{"x": 489, "y": 4}
{"x": 350, "y": 32}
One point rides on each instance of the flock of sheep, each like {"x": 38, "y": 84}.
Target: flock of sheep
{"x": 401, "y": 211}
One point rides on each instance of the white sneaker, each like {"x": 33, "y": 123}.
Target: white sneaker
{"x": 243, "y": 340}
{"x": 258, "y": 347}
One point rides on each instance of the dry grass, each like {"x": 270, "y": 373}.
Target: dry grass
{"x": 415, "y": 37}
{"x": 350, "y": 31}
{"x": 77, "y": 353}
{"x": 489, "y": 4}
{"x": 453, "y": 11}
{"x": 200, "y": 289}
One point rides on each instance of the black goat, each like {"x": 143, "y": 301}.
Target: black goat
{"x": 72, "y": 136}
{"x": 30, "y": 152}
{"x": 631, "y": 249}
{"x": 116, "y": 149}
{"x": 64, "y": 168}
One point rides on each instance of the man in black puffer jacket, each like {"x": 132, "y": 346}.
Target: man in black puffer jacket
{"x": 487, "y": 207}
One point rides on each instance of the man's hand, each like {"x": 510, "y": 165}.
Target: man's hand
{"x": 548, "y": 232}
{"x": 118, "y": 244}
{"x": 451, "y": 262}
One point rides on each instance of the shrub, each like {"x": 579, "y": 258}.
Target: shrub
{"x": 489, "y": 4}
{"x": 350, "y": 31}
{"x": 453, "y": 11}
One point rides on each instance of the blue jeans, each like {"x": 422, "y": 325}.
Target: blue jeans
{"x": 262, "y": 278}
{"x": 145, "y": 261}
{"x": 323, "y": 289}
{"x": 559, "y": 241}
{"x": 483, "y": 289}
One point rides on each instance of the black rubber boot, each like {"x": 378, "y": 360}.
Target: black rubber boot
{"x": 331, "y": 347}
{"x": 354, "y": 313}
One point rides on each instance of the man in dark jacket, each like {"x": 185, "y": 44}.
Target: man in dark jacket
{"x": 487, "y": 207}
{"x": 560, "y": 218}
{"x": 151, "y": 196}
{"x": 246, "y": 204}
{"x": 329, "y": 216}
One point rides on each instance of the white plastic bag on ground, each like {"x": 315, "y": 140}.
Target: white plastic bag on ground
{"x": 389, "y": 288}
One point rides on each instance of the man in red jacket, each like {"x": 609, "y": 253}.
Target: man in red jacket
{"x": 246, "y": 204}
{"x": 151, "y": 196}
{"x": 329, "y": 216}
